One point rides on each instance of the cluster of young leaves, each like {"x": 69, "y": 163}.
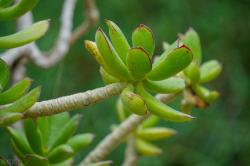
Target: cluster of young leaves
{"x": 146, "y": 133}
{"x": 15, "y": 100}
{"x": 48, "y": 141}
{"x": 9, "y": 11}
{"x": 197, "y": 74}
{"x": 121, "y": 62}
{"x": 176, "y": 70}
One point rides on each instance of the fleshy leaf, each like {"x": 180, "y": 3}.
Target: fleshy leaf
{"x": 9, "y": 118}
{"x": 60, "y": 154}
{"x": 138, "y": 62}
{"x": 133, "y": 102}
{"x": 177, "y": 60}
{"x": 170, "y": 85}
{"x": 80, "y": 141}
{"x": 15, "y": 92}
{"x": 19, "y": 140}
{"x": 146, "y": 148}
{"x": 160, "y": 109}
{"x": 34, "y": 136}
{"x": 143, "y": 37}
{"x": 35, "y": 160}
{"x": 25, "y": 36}
{"x": 116, "y": 66}
{"x": 210, "y": 70}
{"x": 155, "y": 133}
{"x": 15, "y": 11}
{"x": 118, "y": 39}
{"x": 193, "y": 72}
{"x": 106, "y": 77}
{"x": 4, "y": 74}
{"x": 24, "y": 102}
{"x": 66, "y": 132}
{"x": 151, "y": 121}
{"x": 5, "y": 3}
{"x": 191, "y": 39}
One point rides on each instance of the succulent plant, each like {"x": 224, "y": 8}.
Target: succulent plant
{"x": 15, "y": 100}
{"x": 197, "y": 74}
{"x": 134, "y": 65}
{"x": 48, "y": 140}
{"x": 10, "y": 11}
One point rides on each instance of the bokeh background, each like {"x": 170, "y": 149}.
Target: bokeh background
{"x": 220, "y": 135}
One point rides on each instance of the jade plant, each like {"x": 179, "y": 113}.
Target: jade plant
{"x": 16, "y": 99}
{"x": 10, "y": 11}
{"x": 48, "y": 140}
{"x": 134, "y": 65}
{"x": 130, "y": 71}
{"x": 177, "y": 70}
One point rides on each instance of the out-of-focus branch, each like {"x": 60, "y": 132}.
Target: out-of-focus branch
{"x": 91, "y": 18}
{"x": 63, "y": 41}
{"x": 112, "y": 140}
{"x": 130, "y": 154}
{"x": 75, "y": 101}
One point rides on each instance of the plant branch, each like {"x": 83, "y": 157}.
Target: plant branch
{"x": 63, "y": 41}
{"x": 130, "y": 154}
{"x": 75, "y": 101}
{"x": 112, "y": 140}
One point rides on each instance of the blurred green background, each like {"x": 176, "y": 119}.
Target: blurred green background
{"x": 220, "y": 135}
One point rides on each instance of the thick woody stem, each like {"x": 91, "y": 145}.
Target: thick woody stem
{"x": 112, "y": 140}
{"x": 75, "y": 101}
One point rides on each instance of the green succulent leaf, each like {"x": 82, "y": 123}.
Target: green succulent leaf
{"x": 170, "y": 85}
{"x": 60, "y": 154}
{"x": 150, "y": 121}
{"x": 116, "y": 66}
{"x": 4, "y": 74}
{"x": 191, "y": 39}
{"x": 138, "y": 62}
{"x": 106, "y": 77}
{"x": 24, "y": 103}
{"x": 118, "y": 39}
{"x": 143, "y": 37}
{"x": 210, "y": 70}
{"x": 120, "y": 110}
{"x": 15, "y": 92}
{"x": 5, "y": 3}
{"x": 43, "y": 126}
{"x": 80, "y": 141}
{"x": 66, "y": 132}
{"x": 193, "y": 72}
{"x": 205, "y": 94}
{"x": 160, "y": 109}
{"x": 34, "y": 136}
{"x": 25, "y": 36}
{"x": 165, "y": 45}
{"x": 15, "y": 11}
{"x": 20, "y": 141}
{"x": 9, "y": 118}
{"x": 95, "y": 53}
{"x": 146, "y": 148}
{"x": 167, "y": 50}
{"x": 155, "y": 133}
{"x": 133, "y": 102}
{"x": 177, "y": 60}
{"x": 18, "y": 153}
{"x": 35, "y": 160}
